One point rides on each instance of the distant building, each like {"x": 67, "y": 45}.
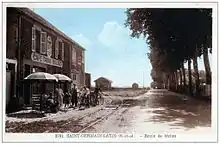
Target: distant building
{"x": 135, "y": 86}
{"x": 88, "y": 79}
{"x": 103, "y": 83}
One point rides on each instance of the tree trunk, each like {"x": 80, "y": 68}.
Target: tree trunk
{"x": 195, "y": 66}
{"x": 164, "y": 81}
{"x": 168, "y": 83}
{"x": 181, "y": 81}
{"x": 207, "y": 66}
{"x": 176, "y": 80}
{"x": 184, "y": 76}
{"x": 190, "y": 77}
{"x": 181, "y": 78}
{"x": 173, "y": 81}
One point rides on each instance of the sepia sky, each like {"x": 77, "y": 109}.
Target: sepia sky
{"x": 110, "y": 52}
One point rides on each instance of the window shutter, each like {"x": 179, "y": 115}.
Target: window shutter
{"x": 43, "y": 46}
{"x": 62, "y": 51}
{"x": 49, "y": 46}
{"x": 33, "y": 40}
{"x": 56, "y": 49}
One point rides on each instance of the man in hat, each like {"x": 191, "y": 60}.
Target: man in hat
{"x": 74, "y": 98}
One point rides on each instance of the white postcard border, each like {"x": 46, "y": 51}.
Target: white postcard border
{"x": 9, "y": 137}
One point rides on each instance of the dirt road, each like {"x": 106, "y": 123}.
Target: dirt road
{"x": 154, "y": 111}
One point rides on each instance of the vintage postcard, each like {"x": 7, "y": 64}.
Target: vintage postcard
{"x": 109, "y": 72}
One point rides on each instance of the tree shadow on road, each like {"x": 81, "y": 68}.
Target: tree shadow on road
{"x": 188, "y": 113}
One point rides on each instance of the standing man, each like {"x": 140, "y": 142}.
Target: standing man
{"x": 74, "y": 98}
{"x": 97, "y": 93}
{"x": 60, "y": 95}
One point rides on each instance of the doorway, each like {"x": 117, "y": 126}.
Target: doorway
{"x": 8, "y": 87}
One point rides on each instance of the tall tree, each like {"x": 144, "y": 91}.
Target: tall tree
{"x": 184, "y": 75}
{"x": 207, "y": 66}
{"x": 196, "y": 73}
{"x": 171, "y": 38}
{"x": 190, "y": 77}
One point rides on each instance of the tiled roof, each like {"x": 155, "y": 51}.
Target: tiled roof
{"x": 40, "y": 19}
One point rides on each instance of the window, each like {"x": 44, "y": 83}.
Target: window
{"x": 43, "y": 47}
{"x": 36, "y": 39}
{"x": 59, "y": 49}
{"x": 38, "y": 35}
{"x": 73, "y": 76}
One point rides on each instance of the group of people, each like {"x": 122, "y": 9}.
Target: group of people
{"x": 74, "y": 98}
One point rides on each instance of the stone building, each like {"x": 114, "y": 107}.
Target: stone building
{"x": 33, "y": 45}
{"x": 103, "y": 83}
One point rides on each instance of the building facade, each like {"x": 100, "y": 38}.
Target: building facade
{"x": 34, "y": 45}
{"x": 103, "y": 83}
{"x": 88, "y": 80}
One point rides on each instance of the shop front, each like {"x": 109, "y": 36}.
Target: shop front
{"x": 39, "y": 63}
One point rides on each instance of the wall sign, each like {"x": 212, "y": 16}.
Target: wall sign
{"x": 46, "y": 60}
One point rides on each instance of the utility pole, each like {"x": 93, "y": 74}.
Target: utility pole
{"x": 143, "y": 79}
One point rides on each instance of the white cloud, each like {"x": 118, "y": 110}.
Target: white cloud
{"x": 82, "y": 40}
{"x": 114, "y": 35}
